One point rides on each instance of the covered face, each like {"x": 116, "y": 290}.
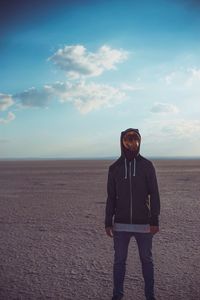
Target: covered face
{"x": 131, "y": 141}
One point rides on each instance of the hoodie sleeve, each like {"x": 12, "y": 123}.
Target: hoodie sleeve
{"x": 111, "y": 200}
{"x": 154, "y": 196}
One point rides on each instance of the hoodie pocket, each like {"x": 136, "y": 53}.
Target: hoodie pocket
{"x": 148, "y": 205}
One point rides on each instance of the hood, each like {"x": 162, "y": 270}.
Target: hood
{"x": 125, "y": 152}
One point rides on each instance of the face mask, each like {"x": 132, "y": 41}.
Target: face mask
{"x": 131, "y": 141}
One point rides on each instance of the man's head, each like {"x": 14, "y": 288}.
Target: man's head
{"x": 130, "y": 142}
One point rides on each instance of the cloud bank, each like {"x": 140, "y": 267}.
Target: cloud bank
{"x": 86, "y": 97}
{"x": 79, "y": 64}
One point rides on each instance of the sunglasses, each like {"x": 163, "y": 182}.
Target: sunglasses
{"x": 129, "y": 137}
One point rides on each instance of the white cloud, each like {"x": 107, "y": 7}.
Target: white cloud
{"x": 130, "y": 87}
{"x": 159, "y": 107}
{"x": 87, "y": 97}
{"x": 79, "y": 63}
{"x": 194, "y": 77}
{"x": 10, "y": 117}
{"x": 5, "y": 101}
{"x": 189, "y": 77}
{"x": 34, "y": 97}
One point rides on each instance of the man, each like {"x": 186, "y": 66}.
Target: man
{"x": 133, "y": 199}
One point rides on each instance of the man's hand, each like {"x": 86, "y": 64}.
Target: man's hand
{"x": 109, "y": 231}
{"x": 154, "y": 229}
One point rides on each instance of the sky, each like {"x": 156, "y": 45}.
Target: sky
{"x": 74, "y": 74}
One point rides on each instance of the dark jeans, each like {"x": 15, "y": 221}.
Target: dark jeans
{"x": 144, "y": 242}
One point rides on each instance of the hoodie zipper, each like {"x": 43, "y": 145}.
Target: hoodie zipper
{"x": 131, "y": 196}
{"x": 134, "y": 169}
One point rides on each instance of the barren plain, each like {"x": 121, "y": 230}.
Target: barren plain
{"x": 53, "y": 243}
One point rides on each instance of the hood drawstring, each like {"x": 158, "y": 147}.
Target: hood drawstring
{"x": 125, "y": 166}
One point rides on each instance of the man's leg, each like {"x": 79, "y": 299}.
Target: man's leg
{"x": 144, "y": 242}
{"x": 121, "y": 242}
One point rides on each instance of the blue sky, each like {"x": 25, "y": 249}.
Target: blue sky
{"x": 74, "y": 74}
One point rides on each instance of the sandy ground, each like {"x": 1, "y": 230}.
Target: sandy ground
{"x": 52, "y": 239}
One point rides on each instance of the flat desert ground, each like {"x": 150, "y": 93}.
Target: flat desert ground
{"x": 52, "y": 238}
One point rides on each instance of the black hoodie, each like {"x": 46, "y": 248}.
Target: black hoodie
{"x": 132, "y": 190}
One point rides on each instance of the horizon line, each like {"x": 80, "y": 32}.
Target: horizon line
{"x": 95, "y": 158}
